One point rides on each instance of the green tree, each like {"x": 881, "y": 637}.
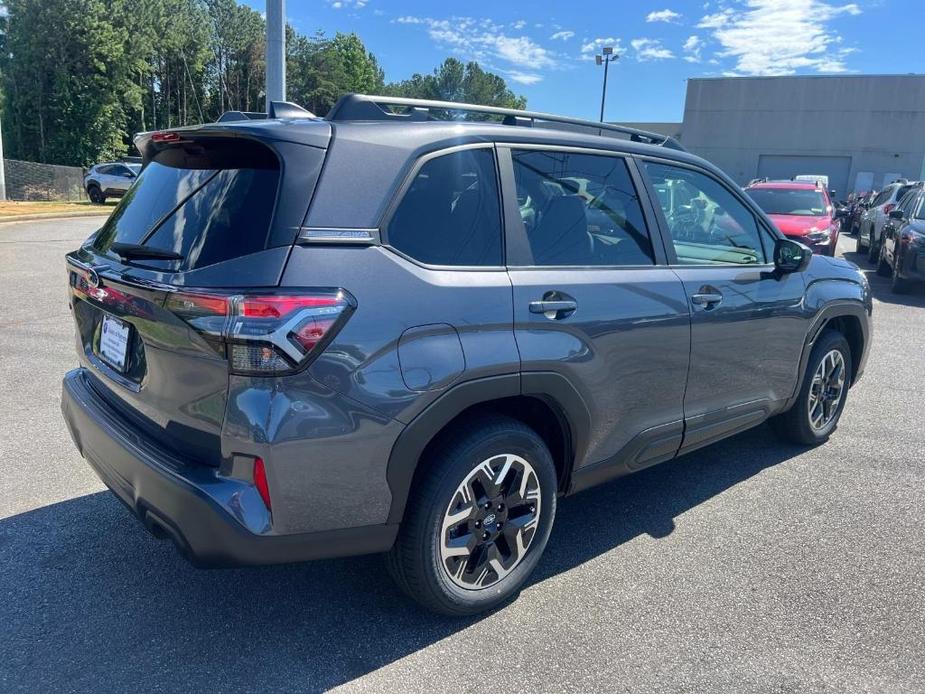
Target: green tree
{"x": 453, "y": 81}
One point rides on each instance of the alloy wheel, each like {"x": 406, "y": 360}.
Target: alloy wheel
{"x": 827, "y": 390}
{"x": 490, "y": 522}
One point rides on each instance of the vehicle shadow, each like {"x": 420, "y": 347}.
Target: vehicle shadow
{"x": 880, "y": 286}
{"x": 91, "y": 602}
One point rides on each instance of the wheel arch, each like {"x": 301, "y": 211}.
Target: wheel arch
{"x": 850, "y": 318}
{"x": 544, "y": 401}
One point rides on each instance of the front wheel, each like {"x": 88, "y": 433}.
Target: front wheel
{"x": 859, "y": 243}
{"x": 814, "y": 416}
{"x": 478, "y": 518}
{"x": 96, "y": 195}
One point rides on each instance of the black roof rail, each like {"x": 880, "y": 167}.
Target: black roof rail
{"x": 278, "y": 109}
{"x": 356, "y": 107}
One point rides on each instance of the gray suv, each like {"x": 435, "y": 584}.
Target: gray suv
{"x": 387, "y": 331}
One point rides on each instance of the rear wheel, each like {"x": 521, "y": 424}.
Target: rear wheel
{"x": 478, "y": 520}
{"x": 95, "y": 194}
{"x": 873, "y": 250}
{"x": 823, "y": 392}
{"x": 898, "y": 285}
{"x": 883, "y": 267}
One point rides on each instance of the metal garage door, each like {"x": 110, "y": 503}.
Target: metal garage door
{"x": 790, "y": 165}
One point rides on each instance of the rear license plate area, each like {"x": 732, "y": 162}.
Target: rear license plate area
{"x": 115, "y": 336}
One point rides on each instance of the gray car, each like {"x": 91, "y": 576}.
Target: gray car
{"x": 110, "y": 180}
{"x": 386, "y": 331}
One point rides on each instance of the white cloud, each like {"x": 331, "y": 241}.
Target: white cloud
{"x": 348, "y": 4}
{"x": 590, "y": 48}
{"x": 650, "y": 49}
{"x": 716, "y": 20}
{"x": 519, "y": 24}
{"x": 692, "y": 48}
{"x": 562, "y": 35}
{"x": 519, "y": 57}
{"x": 668, "y": 16}
{"x": 524, "y": 77}
{"x": 779, "y": 37}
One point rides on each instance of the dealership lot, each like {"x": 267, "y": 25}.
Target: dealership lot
{"x": 747, "y": 566}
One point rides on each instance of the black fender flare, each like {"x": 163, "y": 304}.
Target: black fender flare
{"x": 826, "y": 315}
{"x": 553, "y": 388}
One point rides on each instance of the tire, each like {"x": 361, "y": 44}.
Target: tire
{"x": 898, "y": 285}
{"x": 873, "y": 251}
{"x": 883, "y": 267}
{"x": 795, "y": 425}
{"x": 473, "y": 457}
{"x": 859, "y": 247}
{"x": 96, "y": 195}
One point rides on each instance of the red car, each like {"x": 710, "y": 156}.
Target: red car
{"x": 802, "y": 211}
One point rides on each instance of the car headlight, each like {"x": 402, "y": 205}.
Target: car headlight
{"x": 819, "y": 235}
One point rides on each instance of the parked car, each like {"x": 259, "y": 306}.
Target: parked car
{"x": 109, "y": 180}
{"x": 902, "y": 252}
{"x": 875, "y": 217}
{"x": 504, "y": 315}
{"x": 801, "y": 211}
{"x": 857, "y": 204}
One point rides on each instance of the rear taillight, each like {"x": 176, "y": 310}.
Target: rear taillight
{"x": 266, "y": 334}
{"x": 260, "y": 481}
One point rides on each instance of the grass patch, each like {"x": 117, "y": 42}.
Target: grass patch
{"x": 11, "y": 208}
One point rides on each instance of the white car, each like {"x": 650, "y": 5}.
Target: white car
{"x": 109, "y": 180}
{"x": 872, "y": 221}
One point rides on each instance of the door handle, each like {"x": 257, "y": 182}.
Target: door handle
{"x": 554, "y": 310}
{"x": 707, "y": 299}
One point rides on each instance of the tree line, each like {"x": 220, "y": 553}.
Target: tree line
{"x": 80, "y": 77}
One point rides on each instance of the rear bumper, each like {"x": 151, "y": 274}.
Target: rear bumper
{"x": 201, "y": 511}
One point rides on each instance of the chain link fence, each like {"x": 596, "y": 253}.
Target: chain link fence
{"x": 29, "y": 180}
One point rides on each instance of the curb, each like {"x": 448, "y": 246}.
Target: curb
{"x": 52, "y": 215}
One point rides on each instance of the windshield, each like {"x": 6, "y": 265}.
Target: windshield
{"x": 135, "y": 168}
{"x": 803, "y": 203}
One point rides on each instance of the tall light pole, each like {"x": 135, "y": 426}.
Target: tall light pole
{"x": 606, "y": 59}
{"x": 276, "y": 51}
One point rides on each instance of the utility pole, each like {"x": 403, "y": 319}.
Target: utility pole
{"x": 606, "y": 59}
{"x": 276, "y": 51}
{"x": 2, "y": 169}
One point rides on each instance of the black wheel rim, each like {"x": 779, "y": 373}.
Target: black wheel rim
{"x": 490, "y": 522}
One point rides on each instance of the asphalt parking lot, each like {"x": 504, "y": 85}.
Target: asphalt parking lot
{"x": 750, "y": 566}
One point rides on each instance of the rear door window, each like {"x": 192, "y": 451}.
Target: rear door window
{"x": 451, "y": 214}
{"x": 580, "y": 210}
{"x": 207, "y": 207}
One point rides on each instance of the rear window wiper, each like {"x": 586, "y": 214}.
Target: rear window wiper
{"x": 135, "y": 251}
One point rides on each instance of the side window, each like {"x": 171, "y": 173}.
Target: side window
{"x": 707, "y": 223}
{"x": 451, "y": 214}
{"x": 580, "y": 209}
{"x": 104, "y": 170}
{"x": 908, "y": 201}
{"x": 918, "y": 210}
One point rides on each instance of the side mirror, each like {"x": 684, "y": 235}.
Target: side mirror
{"x": 791, "y": 256}
{"x": 896, "y": 214}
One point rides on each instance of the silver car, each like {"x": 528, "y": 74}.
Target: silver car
{"x": 109, "y": 180}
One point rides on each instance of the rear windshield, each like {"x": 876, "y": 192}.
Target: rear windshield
{"x": 206, "y": 205}
{"x": 803, "y": 203}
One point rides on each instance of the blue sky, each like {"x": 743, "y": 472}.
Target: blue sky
{"x": 546, "y": 49}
